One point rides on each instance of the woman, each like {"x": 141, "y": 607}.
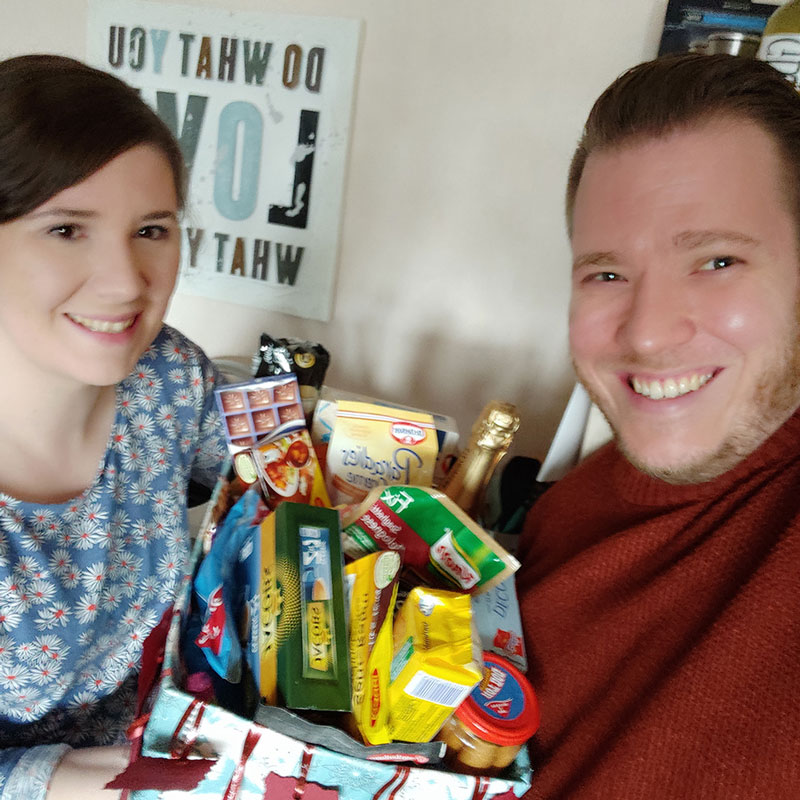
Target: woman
{"x": 105, "y": 414}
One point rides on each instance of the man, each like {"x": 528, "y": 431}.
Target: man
{"x": 660, "y": 586}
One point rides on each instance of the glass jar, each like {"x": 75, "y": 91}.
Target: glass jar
{"x": 485, "y": 733}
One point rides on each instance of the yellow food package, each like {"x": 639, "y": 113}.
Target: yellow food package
{"x": 436, "y": 662}
{"x": 371, "y": 582}
{"x": 373, "y": 445}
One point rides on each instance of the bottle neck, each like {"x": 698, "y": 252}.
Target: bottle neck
{"x": 470, "y": 474}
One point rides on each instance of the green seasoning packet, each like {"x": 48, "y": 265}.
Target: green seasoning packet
{"x": 442, "y": 544}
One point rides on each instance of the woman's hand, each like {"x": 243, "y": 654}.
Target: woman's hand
{"x": 83, "y": 773}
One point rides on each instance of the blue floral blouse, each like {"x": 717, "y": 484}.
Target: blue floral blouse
{"x": 83, "y": 582}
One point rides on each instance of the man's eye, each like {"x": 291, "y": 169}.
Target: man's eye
{"x": 64, "y": 231}
{"x": 719, "y": 262}
{"x": 604, "y": 277}
{"x": 153, "y": 232}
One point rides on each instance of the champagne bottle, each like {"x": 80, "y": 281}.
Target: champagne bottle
{"x": 489, "y": 441}
{"x": 780, "y": 42}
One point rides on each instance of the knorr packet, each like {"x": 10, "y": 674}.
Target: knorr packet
{"x": 442, "y": 545}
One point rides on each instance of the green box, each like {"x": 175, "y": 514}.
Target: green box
{"x": 313, "y": 656}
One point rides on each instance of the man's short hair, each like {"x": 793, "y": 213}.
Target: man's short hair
{"x": 658, "y": 97}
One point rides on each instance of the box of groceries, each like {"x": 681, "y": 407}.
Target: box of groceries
{"x": 334, "y": 649}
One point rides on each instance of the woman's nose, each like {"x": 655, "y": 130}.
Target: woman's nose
{"x": 118, "y": 274}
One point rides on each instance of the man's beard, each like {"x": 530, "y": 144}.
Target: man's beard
{"x": 774, "y": 400}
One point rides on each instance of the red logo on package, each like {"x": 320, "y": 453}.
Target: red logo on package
{"x": 445, "y": 554}
{"x": 508, "y": 642}
{"x": 211, "y": 633}
{"x": 408, "y": 433}
{"x": 392, "y": 533}
{"x": 500, "y": 707}
{"x": 375, "y": 698}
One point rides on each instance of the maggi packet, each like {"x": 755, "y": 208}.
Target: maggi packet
{"x": 372, "y": 586}
{"x": 373, "y": 446}
{"x": 442, "y": 545}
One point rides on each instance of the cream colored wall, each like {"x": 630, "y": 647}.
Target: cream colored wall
{"x": 453, "y": 271}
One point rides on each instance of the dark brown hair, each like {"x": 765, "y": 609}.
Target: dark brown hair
{"x": 672, "y": 92}
{"x": 60, "y": 121}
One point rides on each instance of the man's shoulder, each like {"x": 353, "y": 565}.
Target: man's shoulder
{"x": 598, "y": 464}
{"x": 592, "y": 477}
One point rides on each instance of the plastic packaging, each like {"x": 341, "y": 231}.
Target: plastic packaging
{"x": 436, "y": 662}
{"x": 442, "y": 545}
{"x": 371, "y": 583}
{"x": 308, "y": 360}
{"x": 780, "y": 42}
{"x": 216, "y": 595}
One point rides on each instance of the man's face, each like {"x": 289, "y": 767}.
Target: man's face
{"x": 684, "y": 314}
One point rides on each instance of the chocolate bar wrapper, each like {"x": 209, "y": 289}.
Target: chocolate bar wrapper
{"x": 265, "y": 428}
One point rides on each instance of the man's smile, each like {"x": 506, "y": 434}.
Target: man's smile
{"x": 669, "y": 388}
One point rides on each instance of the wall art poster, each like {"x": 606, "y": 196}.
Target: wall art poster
{"x": 261, "y": 105}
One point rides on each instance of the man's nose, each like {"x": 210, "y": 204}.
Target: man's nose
{"x": 658, "y": 317}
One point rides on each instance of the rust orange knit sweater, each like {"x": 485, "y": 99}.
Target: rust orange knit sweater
{"x": 663, "y": 631}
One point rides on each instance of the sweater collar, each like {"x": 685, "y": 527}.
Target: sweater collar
{"x": 644, "y": 490}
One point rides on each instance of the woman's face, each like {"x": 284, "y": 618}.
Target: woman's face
{"x": 86, "y": 277}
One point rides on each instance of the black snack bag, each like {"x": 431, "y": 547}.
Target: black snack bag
{"x": 308, "y": 360}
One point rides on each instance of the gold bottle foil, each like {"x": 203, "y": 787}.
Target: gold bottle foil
{"x": 489, "y": 441}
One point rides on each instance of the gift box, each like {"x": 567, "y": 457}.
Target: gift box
{"x": 183, "y": 743}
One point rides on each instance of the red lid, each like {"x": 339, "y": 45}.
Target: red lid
{"x": 502, "y": 708}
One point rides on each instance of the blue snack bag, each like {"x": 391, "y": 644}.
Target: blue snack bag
{"x": 218, "y": 600}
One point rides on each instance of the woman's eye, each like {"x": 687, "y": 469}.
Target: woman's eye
{"x": 65, "y": 231}
{"x": 717, "y": 263}
{"x": 153, "y": 232}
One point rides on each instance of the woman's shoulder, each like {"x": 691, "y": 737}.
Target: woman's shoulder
{"x": 173, "y": 355}
{"x": 173, "y": 367}
{"x": 172, "y": 346}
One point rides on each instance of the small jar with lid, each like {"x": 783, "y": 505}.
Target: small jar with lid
{"x": 485, "y": 733}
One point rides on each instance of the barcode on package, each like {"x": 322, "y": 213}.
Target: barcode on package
{"x": 436, "y": 690}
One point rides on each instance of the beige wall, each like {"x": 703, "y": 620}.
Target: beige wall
{"x": 453, "y": 273}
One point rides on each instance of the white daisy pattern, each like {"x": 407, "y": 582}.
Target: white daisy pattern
{"x": 83, "y": 582}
